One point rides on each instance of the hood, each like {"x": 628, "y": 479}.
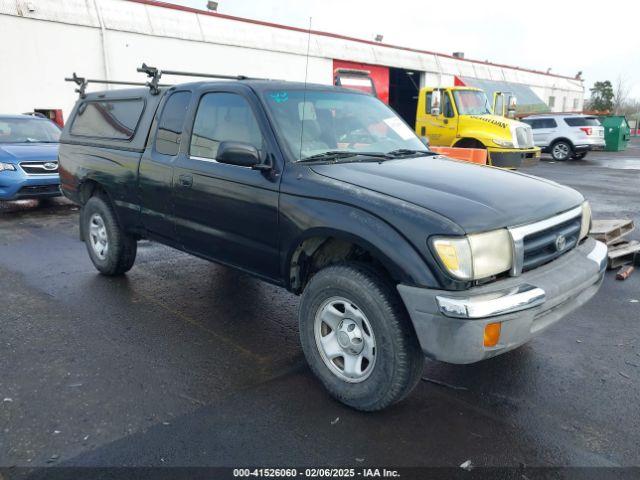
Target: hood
{"x": 475, "y": 197}
{"x": 20, "y": 152}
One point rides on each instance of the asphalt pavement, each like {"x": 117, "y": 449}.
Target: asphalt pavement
{"x": 186, "y": 363}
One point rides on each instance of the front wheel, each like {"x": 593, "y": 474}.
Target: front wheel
{"x": 110, "y": 248}
{"x": 561, "y": 151}
{"x": 357, "y": 337}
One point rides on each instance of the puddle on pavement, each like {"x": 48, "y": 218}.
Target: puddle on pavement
{"x": 621, "y": 163}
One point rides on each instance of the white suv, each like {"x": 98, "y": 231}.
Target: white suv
{"x": 566, "y": 136}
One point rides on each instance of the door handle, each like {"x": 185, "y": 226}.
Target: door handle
{"x": 185, "y": 181}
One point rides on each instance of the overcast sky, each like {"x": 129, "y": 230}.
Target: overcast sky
{"x": 601, "y": 39}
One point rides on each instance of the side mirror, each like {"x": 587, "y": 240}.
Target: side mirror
{"x": 436, "y": 96}
{"x": 511, "y": 109}
{"x": 238, "y": 153}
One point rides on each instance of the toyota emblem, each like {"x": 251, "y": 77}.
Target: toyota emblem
{"x": 50, "y": 166}
{"x": 561, "y": 242}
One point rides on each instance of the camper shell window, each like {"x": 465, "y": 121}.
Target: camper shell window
{"x": 113, "y": 119}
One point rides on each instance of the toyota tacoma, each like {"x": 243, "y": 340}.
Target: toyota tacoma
{"x": 397, "y": 253}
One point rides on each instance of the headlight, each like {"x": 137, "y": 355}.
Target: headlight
{"x": 586, "y": 220}
{"x": 503, "y": 143}
{"x": 6, "y": 166}
{"x": 475, "y": 256}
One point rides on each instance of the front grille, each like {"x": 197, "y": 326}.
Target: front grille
{"x": 541, "y": 247}
{"x": 524, "y": 137}
{"x": 39, "y": 168}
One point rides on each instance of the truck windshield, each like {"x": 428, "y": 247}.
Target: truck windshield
{"x": 471, "y": 102}
{"x": 319, "y": 121}
{"x": 28, "y": 130}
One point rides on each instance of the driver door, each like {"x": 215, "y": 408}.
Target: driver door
{"x": 228, "y": 213}
{"x": 441, "y": 129}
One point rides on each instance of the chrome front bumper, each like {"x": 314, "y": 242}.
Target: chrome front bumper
{"x": 450, "y": 325}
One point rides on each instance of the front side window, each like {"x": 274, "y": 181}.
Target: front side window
{"x": 447, "y": 107}
{"x": 319, "y": 121}
{"x": 28, "y": 130}
{"x": 471, "y": 102}
{"x": 223, "y": 117}
{"x": 171, "y": 121}
{"x": 109, "y": 119}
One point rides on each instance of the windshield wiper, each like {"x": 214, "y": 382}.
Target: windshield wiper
{"x": 340, "y": 154}
{"x": 336, "y": 155}
{"x": 404, "y": 152}
{"x": 35, "y": 140}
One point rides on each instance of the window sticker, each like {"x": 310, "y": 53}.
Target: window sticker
{"x": 400, "y": 128}
{"x": 279, "y": 97}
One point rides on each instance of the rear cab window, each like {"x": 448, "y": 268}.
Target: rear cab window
{"x": 113, "y": 119}
{"x": 171, "y": 123}
{"x": 582, "y": 121}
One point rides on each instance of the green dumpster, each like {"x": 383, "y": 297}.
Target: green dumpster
{"x": 616, "y": 132}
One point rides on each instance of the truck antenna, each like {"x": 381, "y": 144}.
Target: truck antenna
{"x": 304, "y": 96}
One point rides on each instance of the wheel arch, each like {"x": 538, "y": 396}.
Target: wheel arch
{"x": 469, "y": 142}
{"x": 320, "y": 247}
{"x": 561, "y": 139}
{"x": 88, "y": 187}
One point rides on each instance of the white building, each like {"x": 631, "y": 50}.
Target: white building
{"x": 44, "y": 41}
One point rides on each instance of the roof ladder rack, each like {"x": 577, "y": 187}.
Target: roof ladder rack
{"x": 155, "y": 74}
{"x": 82, "y": 83}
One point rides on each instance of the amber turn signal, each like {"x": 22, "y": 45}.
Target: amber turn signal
{"x": 492, "y": 334}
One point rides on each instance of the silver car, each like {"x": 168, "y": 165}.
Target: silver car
{"x": 566, "y": 136}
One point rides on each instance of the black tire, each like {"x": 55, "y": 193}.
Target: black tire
{"x": 120, "y": 255}
{"x": 399, "y": 359}
{"x": 561, "y": 150}
{"x": 579, "y": 156}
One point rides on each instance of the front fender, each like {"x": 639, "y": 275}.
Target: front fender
{"x": 302, "y": 218}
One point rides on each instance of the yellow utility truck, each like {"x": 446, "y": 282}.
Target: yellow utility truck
{"x": 462, "y": 117}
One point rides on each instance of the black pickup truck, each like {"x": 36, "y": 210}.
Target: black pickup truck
{"x": 397, "y": 253}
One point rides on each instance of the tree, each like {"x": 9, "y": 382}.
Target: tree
{"x": 601, "y": 96}
{"x": 621, "y": 96}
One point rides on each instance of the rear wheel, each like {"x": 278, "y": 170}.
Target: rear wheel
{"x": 357, "y": 337}
{"x": 561, "y": 151}
{"x": 111, "y": 250}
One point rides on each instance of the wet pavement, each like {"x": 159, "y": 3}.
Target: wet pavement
{"x": 186, "y": 363}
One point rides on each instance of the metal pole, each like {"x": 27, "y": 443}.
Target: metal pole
{"x": 103, "y": 37}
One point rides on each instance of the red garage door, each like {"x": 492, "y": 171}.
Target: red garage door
{"x": 361, "y": 76}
